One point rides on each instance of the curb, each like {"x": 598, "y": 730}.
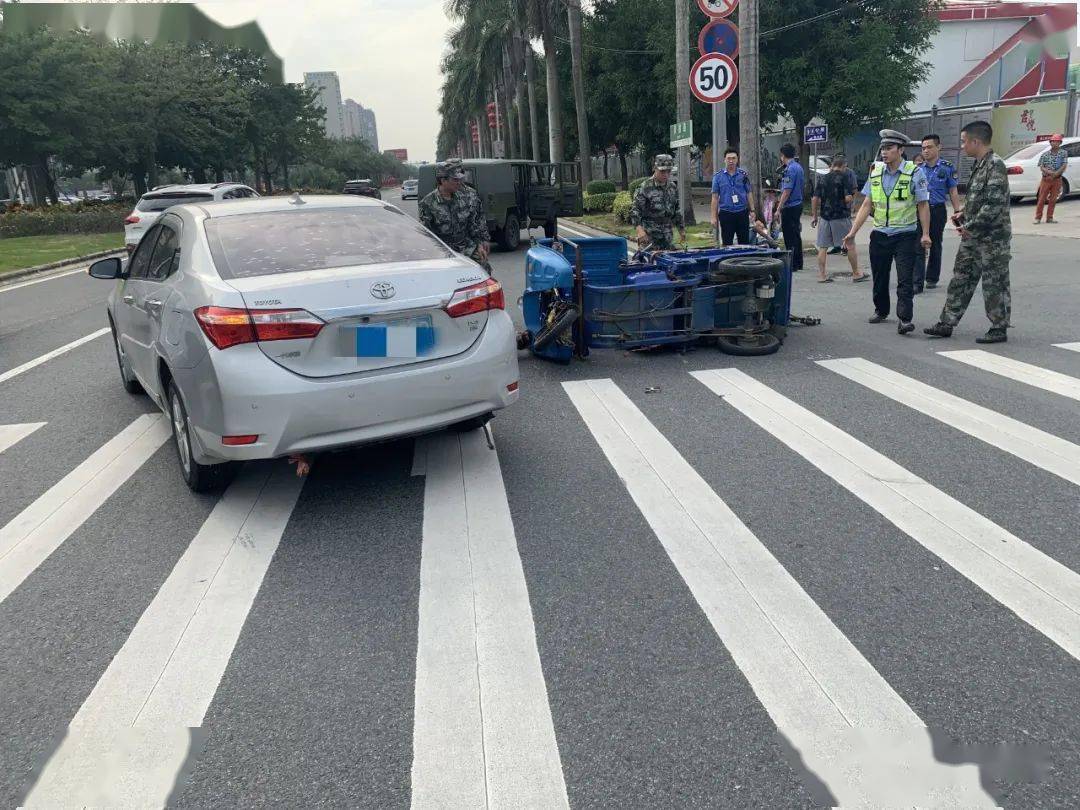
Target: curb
{"x": 42, "y": 268}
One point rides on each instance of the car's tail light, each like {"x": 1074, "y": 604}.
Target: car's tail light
{"x": 237, "y": 441}
{"x": 1016, "y": 170}
{"x": 229, "y": 326}
{"x": 132, "y": 220}
{"x": 512, "y": 387}
{"x": 477, "y": 298}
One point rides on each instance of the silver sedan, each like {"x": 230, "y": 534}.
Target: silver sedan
{"x": 283, "y": 326}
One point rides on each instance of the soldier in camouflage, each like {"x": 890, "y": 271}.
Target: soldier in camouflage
{"x": 453, "y": 211}
{"x": 656, "y": 210}
{"x": 986, "y": 237}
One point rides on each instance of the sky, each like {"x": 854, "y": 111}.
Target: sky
{"x": 386, "y": 54}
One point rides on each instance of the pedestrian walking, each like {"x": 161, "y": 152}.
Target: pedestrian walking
{"x": 453, "y": 212}
{"x": 790, "y": 205}
{"x": 897, "y": 197}
{"x": 849, "y": 173}
{"x": 656, "y": 210}
{"x": 732, "y": 201}
{"x": 985, "y": 241}
{"x": 1052, "y": 164}
{"x": 941, "y": 181}
{"x": 832, "y": 200}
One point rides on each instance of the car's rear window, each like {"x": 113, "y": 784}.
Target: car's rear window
{"x": 1029, "y": 151}
{"x": 161, "y": 203}
{"x": 294, "y": 241}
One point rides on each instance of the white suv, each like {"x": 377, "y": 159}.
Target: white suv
{"x": 1024, "y": 174}
{"x": 152, "y": 204}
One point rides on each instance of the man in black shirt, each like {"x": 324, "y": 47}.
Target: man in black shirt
{"x": 832, "y": 200}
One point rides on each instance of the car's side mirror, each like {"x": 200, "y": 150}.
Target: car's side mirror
{"x": 106, "y": 268}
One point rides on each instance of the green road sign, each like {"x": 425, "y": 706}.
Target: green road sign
{"x": 682, "y": 134}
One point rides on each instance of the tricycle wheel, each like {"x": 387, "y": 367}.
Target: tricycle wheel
{"x": 549, "y": 333}
{"x": 748, "y": 345}
{"x": 749, "y": 266}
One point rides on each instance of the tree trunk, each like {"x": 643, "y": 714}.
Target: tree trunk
{"x": 622, "y": 167}
{"x": 519, "y": 96}
{"x": 554, "y": 100}
{"x": 606, "y": 175}
{"x": 530, "y": 80}
{"x": 285, "y": 173}
{"x": 485, "y": 137}
{"x": 573, "y": 13}
{"x": 150, "y": 166}
{"x": 138, "y": 180}
{"x": 200, "y": 174}
{"x": 682, "y": 95}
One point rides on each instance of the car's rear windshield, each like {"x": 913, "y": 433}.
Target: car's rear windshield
{"x": 160, "y": 203}
{"x": 1029, "y": 151}
{"x": 294, "y": 241}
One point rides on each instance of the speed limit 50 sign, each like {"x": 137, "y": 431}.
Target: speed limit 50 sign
{"x": 713, "y": 78}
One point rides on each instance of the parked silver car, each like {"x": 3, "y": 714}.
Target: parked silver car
{"x": 279, "y": 326}
{"x": 151, "y": 205}
{"x": 410, "y": 189}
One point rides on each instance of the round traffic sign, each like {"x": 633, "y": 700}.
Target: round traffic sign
{"x": 719, "y": 36}
{"x": 717, "y": 8}
{"x": 713, "y": 78}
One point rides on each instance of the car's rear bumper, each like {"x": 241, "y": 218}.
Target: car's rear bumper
{"x": 240, "y": 392}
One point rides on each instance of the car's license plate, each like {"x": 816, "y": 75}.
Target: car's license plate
{"x": 408, "y": 338}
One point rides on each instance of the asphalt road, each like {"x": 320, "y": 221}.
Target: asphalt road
{"x": 649, "y": 596}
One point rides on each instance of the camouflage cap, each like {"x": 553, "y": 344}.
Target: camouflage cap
{"x": 664, "y": 162}
{"x": 892, "y": 136}
{"x": 449, "y": 170}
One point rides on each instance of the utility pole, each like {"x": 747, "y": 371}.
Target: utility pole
{"x": 682, "y": 96}
{"x": 749, "y": 107}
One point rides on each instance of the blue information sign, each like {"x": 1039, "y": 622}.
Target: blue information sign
{"x": 816, "y": 133}
{"x": 719, "y": 36}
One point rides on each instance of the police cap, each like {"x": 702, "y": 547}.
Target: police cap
{"x": 890, "y": 137}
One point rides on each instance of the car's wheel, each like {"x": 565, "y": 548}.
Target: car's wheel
{"x": 1015, "y": 199}
{"x": 749, "y": 345}
{"x": 1064, "y": 189}
{"x": 510, "y": 237}
{"x": 549, "y": 229}
{"x": 198, "y": 477}
{"x": 127, "y": 378}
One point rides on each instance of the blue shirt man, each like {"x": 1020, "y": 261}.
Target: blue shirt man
{"x": 732, "y": 190}
{"x": 888, "y": 182}
{"x": 792, "y": 181}
{"x": 940, "y": 179}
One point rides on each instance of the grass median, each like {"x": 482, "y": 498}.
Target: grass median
{"x": 20, "y": 252}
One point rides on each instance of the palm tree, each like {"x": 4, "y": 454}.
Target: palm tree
{"x": 573, "y": 14}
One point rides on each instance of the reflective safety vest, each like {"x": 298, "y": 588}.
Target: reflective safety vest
{"x": 898, "y": 207}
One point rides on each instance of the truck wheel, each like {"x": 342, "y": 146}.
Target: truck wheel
{"x": 549, "y": 229}
{"x": 510, "y": 237}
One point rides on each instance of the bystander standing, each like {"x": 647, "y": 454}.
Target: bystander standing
{"x": 832, "y": 200}
{"x": 732, "y": 201}
{"x": 1052, "y": 164}
{"x": 791, "y": 199}
{"x": 941, "y": 182}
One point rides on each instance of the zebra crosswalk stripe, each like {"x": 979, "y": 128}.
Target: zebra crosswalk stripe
{"x": 1037, "y": 588}
{"x": 1044, "y": 378}
{"x": 10, "y": 435}
{"x": 1072, "y": 347}
{"x": 823, "y": 695}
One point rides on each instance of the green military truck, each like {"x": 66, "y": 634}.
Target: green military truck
{"x": 518, "y": 194}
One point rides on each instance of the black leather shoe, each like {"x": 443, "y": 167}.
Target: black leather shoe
{"x": 878, "y": 318}
{"x": 904, "y": 327}
{"x": 938, "y": 330}
{"x": 917, "y": 291}
{"x": 931, "y": 285}
{"x": 993, "y": 336}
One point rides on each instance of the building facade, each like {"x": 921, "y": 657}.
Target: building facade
{"x": 328, "y": 87}
{"x": 360, "y": 123}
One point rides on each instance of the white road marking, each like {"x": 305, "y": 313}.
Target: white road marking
{"x": 20, "y": 284}
{"x": 36, "y": 532}
{"x": 13, "y": 434}
{"x": 1037, "y": 588}
{"x": 483, "y": 734}
{"x": 1022, "y": 372}
{"x": 127, "y": 743}
{"x": 851, "y": 728}
{"x": 1035, "y": 446}
{"x": 1072, "y": 347}
{"x": 37, "y": 361}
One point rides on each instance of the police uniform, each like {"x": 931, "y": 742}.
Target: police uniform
{"x": 940, "y": 179}
{"x": 458, "y": 220}
{"x": 656, "y": 207}
{"x": 984, "y": 255}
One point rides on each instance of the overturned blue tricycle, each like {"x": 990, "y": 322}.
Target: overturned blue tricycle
{"x": 586, "y": 293}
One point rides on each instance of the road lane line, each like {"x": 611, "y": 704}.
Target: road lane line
{"x": 1055, "y": 455}
{"x": 15, "y": 372}
{"x": 1036, "y": 376}
{"x": 11, "y": 435}
{"x": 823, "y": 695}
{"x": 1072, "y": 347}
{"x": 483, "y": 734}
{"x": 128, "y": 742}
{"x": 20, "y": 284}
{"x": 36, "y": 532}
{"x": 1037, "y": 588}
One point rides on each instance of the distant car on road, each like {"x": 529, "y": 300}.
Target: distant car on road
{"x": 280, "y": 326}
{"x": 1024, "y": 174}
{"x": 153, "y": 203}
{"x": 363, "y": 188}
{"x": 409, "y": 190}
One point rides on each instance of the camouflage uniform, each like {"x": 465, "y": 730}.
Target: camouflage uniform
{"x": 656, "y": 209}
{"x": 458, "y": 221}
{"x": 985, "y": 253}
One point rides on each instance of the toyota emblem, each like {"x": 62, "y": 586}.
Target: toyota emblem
{"x": 383, "y": 290}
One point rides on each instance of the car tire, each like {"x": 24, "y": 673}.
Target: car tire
{"x": 127, "y": 378}
{"x": 1065, "y": 190}
{"x": 510, "y": 237}
{"x": 198, "y": 477}
{"x": 1015, "y": 199}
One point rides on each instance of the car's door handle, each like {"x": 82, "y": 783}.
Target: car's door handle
{"x": 128, "y": 299}
{"x": 154, "y": 305}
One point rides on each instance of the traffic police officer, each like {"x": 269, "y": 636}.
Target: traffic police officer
{"x": 941, "y": 181}
{"x": 896, "y": 195}
{"x": 656, "y": 209}
{"x": 985, "y": 240}
{"x": 454, "y": 213}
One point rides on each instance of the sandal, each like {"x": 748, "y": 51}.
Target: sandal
{"x": 857, "y": 279}
{"x": 825, "y": 280}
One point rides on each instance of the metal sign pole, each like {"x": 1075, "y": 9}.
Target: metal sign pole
{"x": 719, "y": 141}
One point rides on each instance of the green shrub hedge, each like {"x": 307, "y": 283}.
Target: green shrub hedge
{"x": 621, "y": 206}
{"x": 636, "y": 184}
{"x": 57, "y": 219}
{"x": 600, "y": 187}
{"x": 598, "y": 203}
